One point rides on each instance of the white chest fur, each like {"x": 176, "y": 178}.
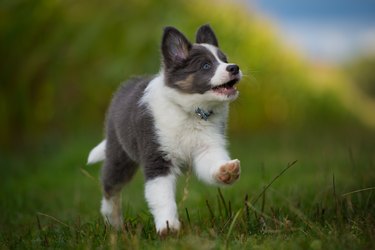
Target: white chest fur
{"x": 182, "y": 134}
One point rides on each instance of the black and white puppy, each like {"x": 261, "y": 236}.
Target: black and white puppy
{"x": 167, "y": 122}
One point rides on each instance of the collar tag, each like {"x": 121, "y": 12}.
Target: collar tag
{"x": 203, "y": 114}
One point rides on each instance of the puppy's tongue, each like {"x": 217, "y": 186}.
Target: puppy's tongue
{"x": 225, "y": 90}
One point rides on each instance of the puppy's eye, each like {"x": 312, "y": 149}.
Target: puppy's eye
{"x": 206, "y": 66}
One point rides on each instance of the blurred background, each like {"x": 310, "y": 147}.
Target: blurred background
{"x": 309, "y": 65}
{"x": 308, "y": 90}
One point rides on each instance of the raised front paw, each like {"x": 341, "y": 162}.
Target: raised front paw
{"x": 228, "y": 172}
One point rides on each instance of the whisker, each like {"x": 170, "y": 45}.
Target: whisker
{"x": 251, "y": 77}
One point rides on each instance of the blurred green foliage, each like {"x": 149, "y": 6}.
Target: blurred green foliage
{"x": 61, "y": 61}
{"x": 362, "y": 71}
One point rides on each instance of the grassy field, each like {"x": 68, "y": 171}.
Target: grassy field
{"x": 50, "y": 199}
{"x": 61, "y": 62}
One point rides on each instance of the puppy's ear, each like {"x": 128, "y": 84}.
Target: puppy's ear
{"x": 206, "y": 35}
{"x": 175, "y": 46}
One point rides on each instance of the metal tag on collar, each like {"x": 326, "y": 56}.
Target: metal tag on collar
{"x": 203, "y": 114}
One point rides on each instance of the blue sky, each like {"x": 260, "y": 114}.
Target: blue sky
{"x": 328, "y": 31}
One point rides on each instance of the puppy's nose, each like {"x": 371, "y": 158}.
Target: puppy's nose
{"x": 233, "y": 69}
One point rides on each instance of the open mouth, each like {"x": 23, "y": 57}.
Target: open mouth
{"x": 226, "y": 88}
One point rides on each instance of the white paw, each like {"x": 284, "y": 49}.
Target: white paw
{"x": 229, "y": 172}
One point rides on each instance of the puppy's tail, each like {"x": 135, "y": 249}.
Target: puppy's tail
{"x": 97, "y": 154}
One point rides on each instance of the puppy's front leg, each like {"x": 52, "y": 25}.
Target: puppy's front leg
{"x": 160, "y": 195}
{"x": 214, "y": 166}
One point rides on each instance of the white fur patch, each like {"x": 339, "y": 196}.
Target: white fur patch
{"x": 221, "y": 74}
{"x": 97, "y": 154}
{"x": 212, "y": 49}
{"x": 183, "y": 136}
{"x": 186, "y": 139}
{"x": 160, "y": 195}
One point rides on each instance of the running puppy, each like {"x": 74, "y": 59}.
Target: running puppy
{"x": 166, "y": 122}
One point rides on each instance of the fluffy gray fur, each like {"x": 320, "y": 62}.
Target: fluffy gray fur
{"x": 131, "y": 139}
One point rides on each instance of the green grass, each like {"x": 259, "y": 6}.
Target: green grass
{"x": 50, "y": 199}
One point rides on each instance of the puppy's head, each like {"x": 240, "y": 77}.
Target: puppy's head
{"x": 199, "y": 68}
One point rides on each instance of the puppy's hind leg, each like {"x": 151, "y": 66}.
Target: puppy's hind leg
{"x": 118, "y": 169}
{"x": 111, "y": 210}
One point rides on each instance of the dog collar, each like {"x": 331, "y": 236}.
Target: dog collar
{"x": 203, "y": 114}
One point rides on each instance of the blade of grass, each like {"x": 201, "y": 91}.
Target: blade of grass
{"x": 219, "y": 207}
{"x": 55, "y": 219}
{"x": 247, "y": 214}
{"x": 229, "y": 209}
{"x": 263, "y": 201}
{"x": 273, "y": 180}
{"x": 358, "y": 191}
{"x": 187, "y": 216}
{"x": 211, "y": 213}
{"x": 336, "y": 199}
{"x": 87, "y": 174}
{"x": 236, "y": 216}
{"x": 223, "y": 201}
{"x": 185, "y": 190}
{"x": 42, "y": 235}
